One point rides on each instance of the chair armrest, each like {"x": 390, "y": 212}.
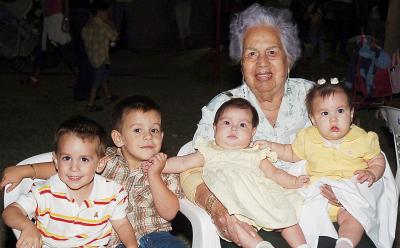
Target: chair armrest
{"x": 204, "y": 231}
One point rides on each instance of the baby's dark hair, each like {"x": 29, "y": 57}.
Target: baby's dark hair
{"x": 239, "y": 103}
{"x": 134, "y": 102}
{"x": 100, "y": 5}
{"x": 83, "y": 128}
{"x": 325, "y": 90}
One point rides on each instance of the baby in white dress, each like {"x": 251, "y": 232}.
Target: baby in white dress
{"x": 243, "y": 178}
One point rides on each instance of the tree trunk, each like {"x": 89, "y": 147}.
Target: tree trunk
{"x": 392, "y": 33}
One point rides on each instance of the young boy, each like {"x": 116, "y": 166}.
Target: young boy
{"x": 97, "y": 36}
{"x": 75, "y": 207}
{"x": 152, "y": 202}
{"x": 137, "y": 134}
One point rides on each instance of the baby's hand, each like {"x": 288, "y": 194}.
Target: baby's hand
{"x": 302, "y": 180}
{"x": 365, "y": 176}
{"x": 261, "y": 143}
{"x": 12, "y": 175}
{"x": 30, "y": 237}
{"x": 157, "y": 163}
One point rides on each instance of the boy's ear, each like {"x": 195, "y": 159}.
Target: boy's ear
{"x": 253, "y": 131}
{"x": 55, "y": 160}
{"x": 117, "y": 138}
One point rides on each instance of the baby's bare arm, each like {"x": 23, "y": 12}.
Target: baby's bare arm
{"x": 125, "y": 232}
{"x": 180, "y": 164}
{"x": 281, "y": 177}
{"x": 375, "y": 170}
{"x": 14, "y": 174}
{"x": 15, "y": 217}
{"x": 284, "y": 151}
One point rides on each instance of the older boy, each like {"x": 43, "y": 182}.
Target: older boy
{"x": 75, "y": 207}
{"x": 152, "y": 202}
{"x": 137, "y": 134}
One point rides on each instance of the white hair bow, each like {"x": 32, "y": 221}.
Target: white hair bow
{"x": 323, "y": 81}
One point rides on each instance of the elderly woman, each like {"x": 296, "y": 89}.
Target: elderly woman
{"x": 265, "y": 42}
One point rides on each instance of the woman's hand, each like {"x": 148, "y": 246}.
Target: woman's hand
{"x": 226, "y": 223}
{"x": 326, "y": 191}
{"x": 222, "y": 220}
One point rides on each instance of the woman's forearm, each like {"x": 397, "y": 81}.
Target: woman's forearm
{"x": 190, "y": 180}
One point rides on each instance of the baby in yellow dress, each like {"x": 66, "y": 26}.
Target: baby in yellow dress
{"x": 335, "y": 149}
{"x": 242, "y": 177}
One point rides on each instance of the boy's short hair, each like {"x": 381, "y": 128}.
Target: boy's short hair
{"x": 129, "y": 103}
{"x": 239, "y": 103}
{"x": 83, "y": 128}
{"x": 325, "y": 90}
{"x": 100, "y": 5}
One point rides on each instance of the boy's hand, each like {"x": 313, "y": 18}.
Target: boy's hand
{"x": 13, "y": 175}
{"x": 365, "y": 176}
{"x": 30, "y": 237}
{"x": 156, "y": 164}
{"x": 145, "y": 166}
{"x": 302, "y": 180}
{"x": 261, "y": 143}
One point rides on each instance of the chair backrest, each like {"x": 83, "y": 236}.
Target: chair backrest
{"x": 26, "y": 184}
{"x": 392, "y": 118}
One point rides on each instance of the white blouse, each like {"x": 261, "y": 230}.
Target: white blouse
{"x": 292, "y": 114}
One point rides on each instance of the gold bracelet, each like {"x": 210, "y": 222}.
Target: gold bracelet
{"x": 34, "y": 171}
{"x": 210, "y": 203}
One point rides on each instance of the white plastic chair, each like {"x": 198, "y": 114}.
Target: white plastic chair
{"x": 26, "y": 184}
{"x": 392, "y": 117}
{"x": 204, "y": 231}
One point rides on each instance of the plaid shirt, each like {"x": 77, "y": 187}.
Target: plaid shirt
{"x": 141, "y": 211}
{"x": 97, "y": 35}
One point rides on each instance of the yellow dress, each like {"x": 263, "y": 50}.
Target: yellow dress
{"x": 335, "y": 161}
{"x": 236, "y": 180}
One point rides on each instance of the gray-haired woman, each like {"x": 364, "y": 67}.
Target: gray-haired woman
{"x": 265, "y": 42}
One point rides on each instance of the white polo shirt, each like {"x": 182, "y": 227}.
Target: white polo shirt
{"x": 63, "y": 223}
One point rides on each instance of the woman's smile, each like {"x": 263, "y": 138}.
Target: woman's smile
{"x": 263, "y": 76}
